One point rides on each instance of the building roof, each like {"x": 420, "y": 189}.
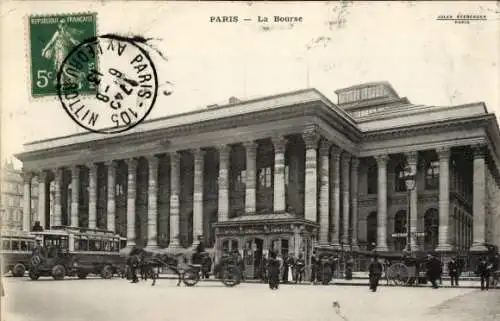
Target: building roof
{"x": 364, "y": 111}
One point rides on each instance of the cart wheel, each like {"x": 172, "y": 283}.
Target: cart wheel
{"x": 398, "y": 274}
{"x": 18, "y": 270}
{"x": 34, "y": 275}
{"x": 58, "y": 272}
{"x": 190, "y": 277}
{"x": 231, "y": 276}
{"x": 107, "y": 272}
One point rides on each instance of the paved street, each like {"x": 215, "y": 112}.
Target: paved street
{"x": 116, "y": 299}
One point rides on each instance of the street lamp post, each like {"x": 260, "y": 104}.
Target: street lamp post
{"x": 409, "y": 176}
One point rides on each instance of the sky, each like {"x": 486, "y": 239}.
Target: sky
{"x": 428, "y": 61}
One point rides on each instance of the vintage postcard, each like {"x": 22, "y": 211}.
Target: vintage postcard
{"x": 299, "y": 161}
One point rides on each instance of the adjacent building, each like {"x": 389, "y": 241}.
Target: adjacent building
{"x": 286, "y": 172}
{"x": 13, "y": 202}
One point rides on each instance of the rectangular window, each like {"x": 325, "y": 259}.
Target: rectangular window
{"x": 287, "y": 175}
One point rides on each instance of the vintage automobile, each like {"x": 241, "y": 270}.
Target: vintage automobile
{"x": 16, "y": 248}
{"x": 69, "y": 251}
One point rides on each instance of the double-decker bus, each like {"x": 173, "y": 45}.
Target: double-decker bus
{"x": 15, "y": 251}
{"x": 69, "y": 251}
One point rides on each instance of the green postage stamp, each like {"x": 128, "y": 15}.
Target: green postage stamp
{"x": 51, "y": 39}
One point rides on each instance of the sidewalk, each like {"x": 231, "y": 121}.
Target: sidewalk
{"x": 358, "y": 281}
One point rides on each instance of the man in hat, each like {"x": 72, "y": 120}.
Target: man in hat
{"x": 484, "y": 271}
{"x": 374, "y": 272}
{"x": 434, "y": 269}
{"x": 453, "y": 270}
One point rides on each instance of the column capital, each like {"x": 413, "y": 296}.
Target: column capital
{"x": 411, "y": 157}
{"x": 110, "y": 163}
{"x": 42, "y": 176}
{"x": 479, "y": 151}
{"x": 198, "y": 153}
{"x": 153, "y": 159}
{"x": 224, "y": 150}
{"x": 324, "y": 147}
{"x": 381, "y": 159}
{"x": 27, "y": 176}
{"x": 75, "y": 168}
{"x": 90, "y": 165}
{"x": 279, "y": 143}
{"x": 311, "y": 136}
{"x": 354, "y": 163}
{"x": 443, "y": 153}
{"x": 175, "y": 157}
{"x": 58, "y": 173}
{"x": 335, "y": 152}
{"x": 346, "y": 159}
{"x": 250, "y": 145}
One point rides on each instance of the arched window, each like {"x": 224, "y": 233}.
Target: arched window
{"x": 400, "y": 184}
{"x": 372, "y": 180}
{"x": 431, "y": 229}
{"x": 432, "y": 175}
{"x": 371, "y": 230}
{"x": 400, "y": 230}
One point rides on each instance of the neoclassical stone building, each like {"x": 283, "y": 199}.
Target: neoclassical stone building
{"x": 287, "y": 172}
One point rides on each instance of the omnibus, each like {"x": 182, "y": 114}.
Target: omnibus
{"x": 69, "y": 251}
{"x": 15, "y": 250}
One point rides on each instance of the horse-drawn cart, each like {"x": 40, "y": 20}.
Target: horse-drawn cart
{"x": 149, "y": 263}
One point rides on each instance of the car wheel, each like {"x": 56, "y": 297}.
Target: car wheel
{"x": 18, "y": 270}
{"x": 107, "y": 272}
{"x": 58, "y": 272}
{"x": 34, "y": 275}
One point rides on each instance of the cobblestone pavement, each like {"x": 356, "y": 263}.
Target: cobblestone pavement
{"x": 477, "y": 305}
{"x": 116, "y": 299}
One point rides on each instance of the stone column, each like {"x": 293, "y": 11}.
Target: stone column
{"x": 152, "y": 242}
{"x": 92, "y": 195}
{"x": 174, "y": 199}
{"x": 250, "y": 191}
{"x": 354, "y": 202}
{"x": 444, "y": 200}
{"x": 479, "y": 200}
{"x": 324, "y": 193}
{"x": 311, "y": 139}
{"x": 75, "y": 193}
{"x": 131, "y": 196}
{"x": 111, "y": 205}
{"x": 224, "y": 152}
{"x": 27, "y": 176}
{"x": 198, "y": 195}
{"x": 279, "y": 174}
{"x": 412, "y": 160}
{"x": 42, "y": 185}
{"x": 57, "y": 197}
{"x": 382, "y": 202}
{"x": 346, "y": 161}
{"x": 335, "y": 208}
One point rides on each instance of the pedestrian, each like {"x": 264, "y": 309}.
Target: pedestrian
{"x": 374, "y": 273}
{"x": 433, "y": 270}
{"x": 484, "y": 271}
{"x": 263, "y": 268}
{"x": 300, "y": 265}
{"x": 326, "y": 269}
{"x": 454, "y": 271}
{"x": 314, "y": 267}
{"x": 273, "y": 266}
{"x": 286, "y": 266}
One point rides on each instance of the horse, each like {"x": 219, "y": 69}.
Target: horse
{"x": 149, "y": 264}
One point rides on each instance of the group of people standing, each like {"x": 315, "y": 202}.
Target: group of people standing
{"x": 276, "y": 268}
